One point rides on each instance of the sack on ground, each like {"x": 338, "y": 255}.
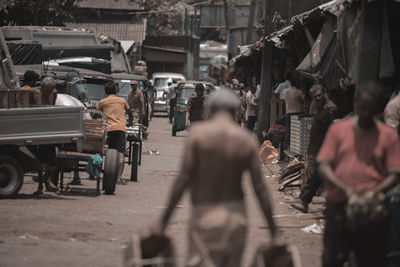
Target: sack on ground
{"x": 268, "y": 153}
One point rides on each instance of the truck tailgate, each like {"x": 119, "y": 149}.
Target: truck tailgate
{"x": 41, "y": 125}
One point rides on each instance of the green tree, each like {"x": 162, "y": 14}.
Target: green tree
{"x": 164, "y": 17}
{"x": 36, "y": 12}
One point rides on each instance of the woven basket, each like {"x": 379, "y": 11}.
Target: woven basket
{"x": 95, "y": 136}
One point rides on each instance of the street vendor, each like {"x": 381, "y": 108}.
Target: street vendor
{"x": 195, "y": 104}
{"x": 283, "y": 86}
{"x": 325, "y": 114}
{"x": 210, "y": 171}
{"x": 294, "y": 98}
{"x": 136, "y": 102}
{"x": 114, "y": 108}
{"x": 360, "y": 161}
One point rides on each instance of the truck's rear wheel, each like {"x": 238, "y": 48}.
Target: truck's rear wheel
{"x": 11, "y": 176}
{"x": 110, "y": 171}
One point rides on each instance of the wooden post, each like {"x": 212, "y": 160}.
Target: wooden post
{"x": 186, "y": 21}
{"x": 250, "y": 24}
{"x": 370, "y": 41}
{"x": 266, "y": 73}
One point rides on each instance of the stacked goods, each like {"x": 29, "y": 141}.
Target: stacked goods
{"x": 141, "y": 68}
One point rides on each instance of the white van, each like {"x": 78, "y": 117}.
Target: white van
{"x": 160, "y": 82}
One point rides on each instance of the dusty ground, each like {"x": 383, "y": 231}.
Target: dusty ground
{"x": 80, "y": 229}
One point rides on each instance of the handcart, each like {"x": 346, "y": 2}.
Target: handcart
{"x": 93, "y": 144}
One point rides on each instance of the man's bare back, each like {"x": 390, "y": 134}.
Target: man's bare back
{"x": 217, "y": 153}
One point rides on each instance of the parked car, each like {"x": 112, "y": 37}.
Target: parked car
{"x": 160, "y": 82}
{"x": 123, "y": 80}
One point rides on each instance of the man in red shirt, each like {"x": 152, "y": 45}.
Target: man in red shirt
{"x": 359, "y": 155}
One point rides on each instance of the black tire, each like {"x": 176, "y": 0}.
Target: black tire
{"x": 135, "y": 163}
{"x": 11, "y": 176}
{"x": 173, "y": 131}
{"x": 110, "y": 173}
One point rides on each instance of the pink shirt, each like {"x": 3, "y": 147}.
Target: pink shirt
{"x": 361, "y": 159}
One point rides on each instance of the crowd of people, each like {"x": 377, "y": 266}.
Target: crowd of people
{"x": 357, "y": 158}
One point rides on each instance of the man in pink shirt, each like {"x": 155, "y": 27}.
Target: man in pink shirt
{"x": 358, "y": 155}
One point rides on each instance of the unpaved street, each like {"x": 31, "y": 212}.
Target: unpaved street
{"x": 79, "y": 229}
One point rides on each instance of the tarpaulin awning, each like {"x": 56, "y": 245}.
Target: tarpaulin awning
{"x": 322, "y": 54}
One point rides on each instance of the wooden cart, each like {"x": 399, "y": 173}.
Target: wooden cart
{"x": 94, "y": 143}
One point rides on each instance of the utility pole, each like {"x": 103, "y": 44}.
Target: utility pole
{"x": 226, "y": 13}
{"x": 250, "y": 25}
{"x": 266, "y": 72}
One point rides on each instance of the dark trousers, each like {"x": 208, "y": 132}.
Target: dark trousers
{"x": 117, "y": 140}
{"x": 313, "y": 182}
{"x": 251, "y": 122}
{"x": 172, "y": 104}
{"x": 369, "y": 244}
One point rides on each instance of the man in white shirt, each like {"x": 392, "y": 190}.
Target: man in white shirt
{"x": 251, "y": 111}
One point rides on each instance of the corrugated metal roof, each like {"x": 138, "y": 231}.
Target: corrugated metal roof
{"x": 112, "y": 4}
{"x": 119, "y": 30}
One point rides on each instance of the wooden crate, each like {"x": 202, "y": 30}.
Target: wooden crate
{"x": 95, "y": 136}
{"x": 14, "y": 98}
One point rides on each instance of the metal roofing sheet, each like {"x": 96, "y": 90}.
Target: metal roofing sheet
{"x": 112, "y": 4}
{"x": 118, "y": 30}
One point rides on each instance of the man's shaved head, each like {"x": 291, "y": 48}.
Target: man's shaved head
{"x": 223, "y": 100}
{"x": 48, "y": 84}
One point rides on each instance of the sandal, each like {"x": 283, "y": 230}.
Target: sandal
{"x": 122, "y": 182}
{"x": 51, "y": 188}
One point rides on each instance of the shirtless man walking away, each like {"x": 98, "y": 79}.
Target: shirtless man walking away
{"x": 216, "y": 154}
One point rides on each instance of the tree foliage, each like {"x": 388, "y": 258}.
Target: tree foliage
{"x": 36, "y": 12}
{"x": 164, "y": 17}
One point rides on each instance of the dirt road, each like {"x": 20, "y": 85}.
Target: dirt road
{"x": 79, "y": 229}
